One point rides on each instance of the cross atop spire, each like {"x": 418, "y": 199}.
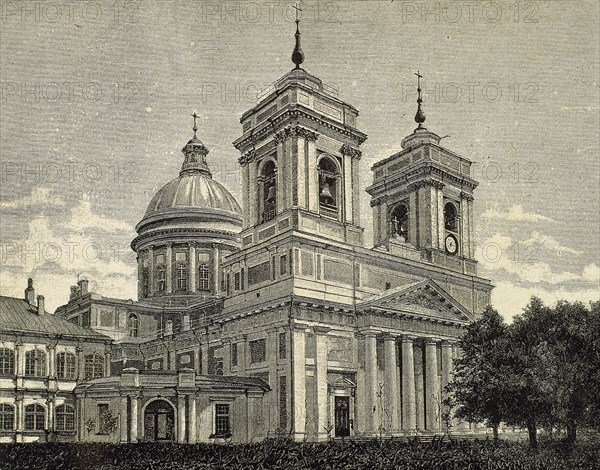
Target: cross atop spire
{"x": 195, "y": 128}
{"x": 297, "y": 55}
{"x": 420, "y": 116}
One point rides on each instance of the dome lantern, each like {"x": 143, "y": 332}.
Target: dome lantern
{"x": 195, "y": 155}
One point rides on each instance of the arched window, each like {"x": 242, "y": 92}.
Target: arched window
{"x": 161, "y": 273}
{"x": 182, "y": 275}
{"x": 399, "y": 221}
{"x": 94, "y": 366}
{"x": 450, "y": 216}
{"x": 203, "y": 277}
{"x": 328, "y": 186}
{"x": 269, "y": 191}
{"x": 35, "y": 417}
{"x": 35, "y": 363}
{"x": 7, "y": 417}
{"x": 66, "y": 365}
{"x": 133, "y": 324}
{"x": 7, "y": 361}
{"x": 65, "y": 418}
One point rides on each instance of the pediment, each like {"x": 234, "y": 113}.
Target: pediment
{"x": 425, "y": 299}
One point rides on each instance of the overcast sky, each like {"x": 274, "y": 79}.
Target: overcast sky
{"x": 96, "y": 100}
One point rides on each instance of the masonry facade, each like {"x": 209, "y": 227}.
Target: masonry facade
{"x": 276, "y": 308}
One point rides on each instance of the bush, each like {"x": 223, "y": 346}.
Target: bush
{"x": 282, "y": 454}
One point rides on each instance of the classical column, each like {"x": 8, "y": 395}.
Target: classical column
{"x": 273, "y": 379}
{"x": 216, "y": 271}
{"x": 409, "y": 412}
{"x": 226, "y": 356}
{"x": 392, "y": 397}
{"x": 413, "y": 219}
{"x": 431, "y": 386}
{"x": 123, "y": 418}
{"x": 359, "y": 402}
{"x": 151, "y": 285}
{"x": 80, "y": 364}
{"x": 204, "y": 349}
{"x": 241, "y": 354}
{"x": 313, "y": 187}
{"x": 252, "y": 213}
{"x": 169, "y": 268}
{"x": 181, "y": 418}
{"x": 419, "y": 384}
{"x": 50, "y": 414}
{"x": 299, "y": 375}
{"x": 107, "y": 361}
{"x": 192, "y": 267}
{"x": 134, "y": 417}
{"x": 192, "y": 420}
{"x": 446, "y": 371}
{"x": 52, "y": 361}
{"x": 300, "y": 162}
{"x": 321, "y": 381}
{"x": 371, "y": 384}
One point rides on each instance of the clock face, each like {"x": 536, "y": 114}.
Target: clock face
{"x": 451, "y": 244}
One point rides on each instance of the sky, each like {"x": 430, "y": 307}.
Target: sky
{"x": 96, "y": 98}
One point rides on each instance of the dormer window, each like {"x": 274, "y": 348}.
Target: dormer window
{"x": 269, "y": 191}
{"x": 329, "y": 174}
{"x": 399, "y": 221}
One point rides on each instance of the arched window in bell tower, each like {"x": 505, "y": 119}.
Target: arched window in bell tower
{"x": 399, "y": 221}
{"x": 269, "y": 191}
{"x": 450, "y": 216}
{"x": 329, "y": 174}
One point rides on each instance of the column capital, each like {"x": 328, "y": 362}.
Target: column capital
{"x": 432, "y": 340}
{"x": 389, "y": 337}
{"x": 448, "y": 343}
{"x": 408, "y": 338}
{"x": 369, "y": 333}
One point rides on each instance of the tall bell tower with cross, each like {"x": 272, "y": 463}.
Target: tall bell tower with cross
{"x": 300, "y": 150}
{"x": 422, "y": 200}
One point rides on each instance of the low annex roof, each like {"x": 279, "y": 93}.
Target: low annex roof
{"x": 19, "y": 316}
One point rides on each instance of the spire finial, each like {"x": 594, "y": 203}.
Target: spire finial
{"x": 195, "y": 128}
{"x": 297, "y": 55}
{"x": 420, "y": 116}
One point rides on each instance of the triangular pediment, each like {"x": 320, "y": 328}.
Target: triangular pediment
{"x": 424, "y": 298}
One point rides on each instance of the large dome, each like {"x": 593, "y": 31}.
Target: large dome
{"x": 195, "y": 190}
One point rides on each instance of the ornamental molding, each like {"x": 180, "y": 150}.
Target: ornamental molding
{"x": 467, "y": 196}
{"x": 347, "y": 150}
{"x": 425, "y": 183}
{"x": 247, "y": 157}
{"x": 294, "y": 131}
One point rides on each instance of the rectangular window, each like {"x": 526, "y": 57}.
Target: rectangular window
{"x": 7, "y": 417}
{"x": 160, "y": 259}
{"x": 65, "y": 418}
{"x": 203, "y": 257}
{"x": 180, "y": 256}
{"x": 273, "y": 265}
{"x": 283, "y": 264}
{"x": 258, "y": 351}
{"x": 282, "y": 346}
{"x": 66, "y": 365}
{"x": 282, "y": 403}
{"x": 236, "y": 281}
{"x": 234, "y": 354}
{"x": 222, "y": 422}
{"x": 7, "y": 361}
{"x": 35, "y": 416}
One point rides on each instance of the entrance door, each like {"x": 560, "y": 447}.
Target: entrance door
{"x": 159, "y": 420}
{"x": 342, "y": 416}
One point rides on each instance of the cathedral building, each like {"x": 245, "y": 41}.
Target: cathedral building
{"x": 274, "y": 317}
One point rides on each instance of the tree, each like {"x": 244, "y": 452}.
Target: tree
{"x": 477, "y": 388}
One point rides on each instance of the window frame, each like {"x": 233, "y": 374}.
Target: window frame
{"x": 203, "y": 277}
{"x": 68, "y": 364}
{"x": 217, "y": 433}
{"x": 133, "y": 325}
{"x": 35, "y": 363}
{"x": 7, "y": 361}
{"x": 32, "y": 418}
{"x": 333, "y": 178}
{"x": 98, "y": 361}
{"x": 64, "y": 418}
{"x": 7, "y": 410}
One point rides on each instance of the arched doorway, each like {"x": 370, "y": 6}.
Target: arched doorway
{"x": 159, "y": 421}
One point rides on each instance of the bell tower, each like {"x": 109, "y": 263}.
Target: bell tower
{"x": 422, "y": 200}
{"x": 299, "y": 158}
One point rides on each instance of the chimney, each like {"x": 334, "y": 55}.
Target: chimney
{"x": 83, "y": 287}
{"x": 73, "y": 293}
{"x": 30, "y": 292}
{"x": 41, "y": 310}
